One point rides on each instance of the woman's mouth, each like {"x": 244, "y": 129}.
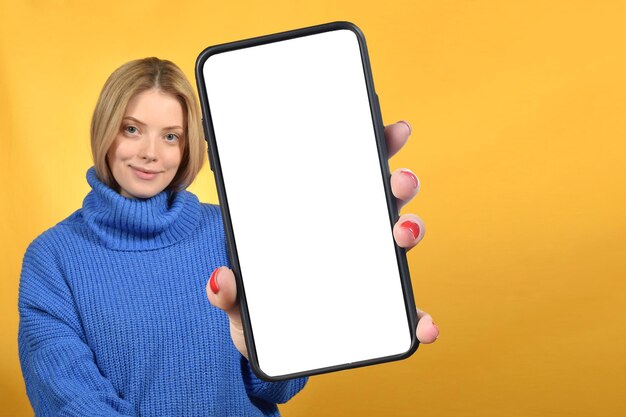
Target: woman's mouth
{"x": 144, "y": 174}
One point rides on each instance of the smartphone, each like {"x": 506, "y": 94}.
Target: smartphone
{"x": 296, "y": 143}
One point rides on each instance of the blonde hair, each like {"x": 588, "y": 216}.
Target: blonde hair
{"x": 125, "y": 82}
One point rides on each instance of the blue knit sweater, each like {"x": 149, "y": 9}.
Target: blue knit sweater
{"x": 114, "y": 318}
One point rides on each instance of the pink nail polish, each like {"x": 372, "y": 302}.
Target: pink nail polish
{"x": 413, "y": 227}
{"x": 412, "y": 176}
{"x": 213, "y": 282}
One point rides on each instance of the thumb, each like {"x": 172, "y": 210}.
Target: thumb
{"x": 221, "y": 289}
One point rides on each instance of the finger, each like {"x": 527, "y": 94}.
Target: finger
{"x": 404, "y": 186}
{"x": 221, "y": 289}
{"x": 408, "y": 231}
{"x": 427, "y": 331}
{"x": 396, "y": 136}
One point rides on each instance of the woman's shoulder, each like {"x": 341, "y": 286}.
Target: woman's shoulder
{"x": 210, "y": 219}
{"x": 211, "y": 209}
{"x": 43, "y": 267}
{"x": 55, "y": 236}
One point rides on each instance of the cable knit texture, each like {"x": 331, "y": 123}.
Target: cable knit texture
{"x": 114, "y": 318}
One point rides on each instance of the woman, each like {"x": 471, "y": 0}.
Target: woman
{"x": 114, "y": 318}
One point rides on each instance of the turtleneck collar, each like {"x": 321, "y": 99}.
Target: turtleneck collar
{"x": 139, "y": 224}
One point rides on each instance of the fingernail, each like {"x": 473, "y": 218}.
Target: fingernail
{"x": 410, "y": 175}
{"x": 407, "y": 125}
{"x": 213, "y": 282}
{"x": 413, "y": 227}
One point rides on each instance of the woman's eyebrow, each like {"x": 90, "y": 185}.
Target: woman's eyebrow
{"x": 173, "y": 127}
{"x": 134, "y": 120}
{"x": 139, "y": 122}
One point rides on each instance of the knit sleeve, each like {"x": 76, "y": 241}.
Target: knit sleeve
{"x": 60, "y": 373}
{"x": 272, "y": 392}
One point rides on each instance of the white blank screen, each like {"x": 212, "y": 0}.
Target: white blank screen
{"x": 298, "y": 155}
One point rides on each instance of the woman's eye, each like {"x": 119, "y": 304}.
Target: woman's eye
{"x": 171, "y": 137}
{"x": 130, "y": 129}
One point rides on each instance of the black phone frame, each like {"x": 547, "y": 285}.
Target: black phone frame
{"x": 215, "y": 166}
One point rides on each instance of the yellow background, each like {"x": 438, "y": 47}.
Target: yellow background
{"x": 518, "y": 113}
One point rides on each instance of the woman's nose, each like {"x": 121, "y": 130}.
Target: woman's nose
{"x": 147, "y": 150}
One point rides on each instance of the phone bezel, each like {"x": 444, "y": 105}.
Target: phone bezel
{"x": 213, "y": 156}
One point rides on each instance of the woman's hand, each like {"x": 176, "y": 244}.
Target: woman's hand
{"x": 408, "y": 231}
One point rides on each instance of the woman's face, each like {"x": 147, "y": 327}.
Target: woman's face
{"x": 146, "y": 153}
